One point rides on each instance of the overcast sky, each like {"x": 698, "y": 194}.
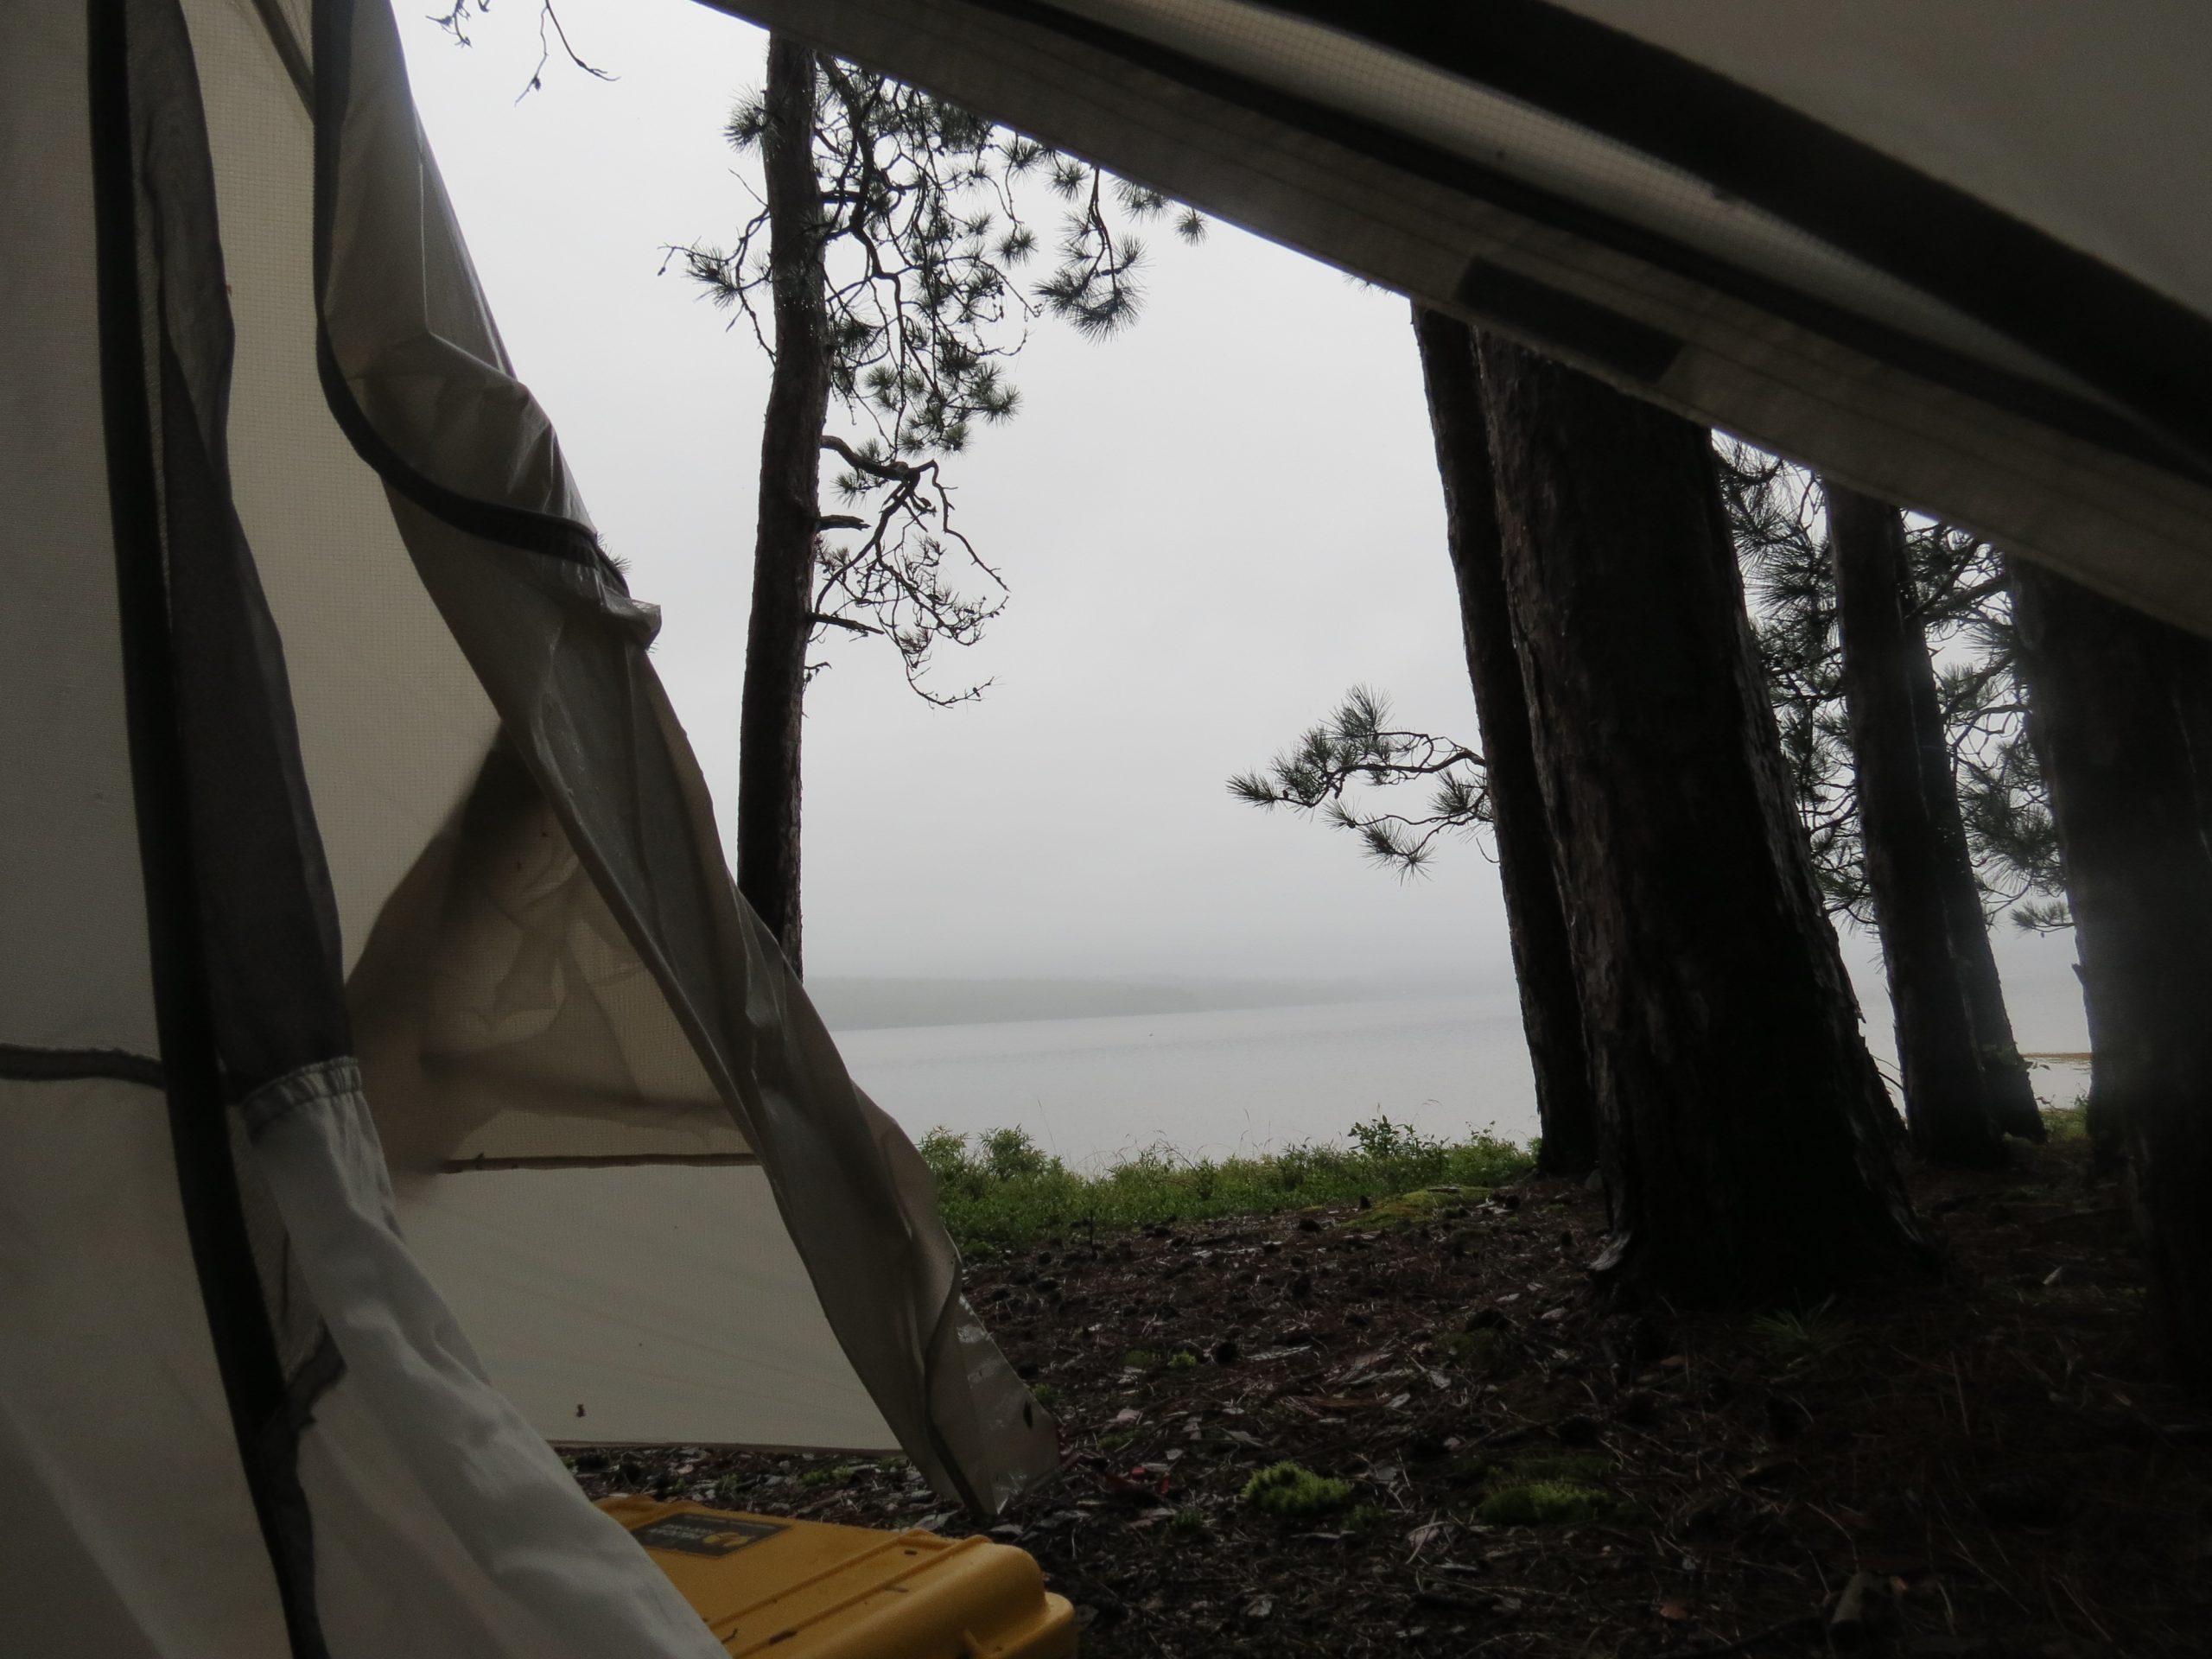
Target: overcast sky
{"x": 1212, "y": 526}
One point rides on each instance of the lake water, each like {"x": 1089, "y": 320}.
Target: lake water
{"x": 1225, "y": 1081}
{"x": 1209, "y": 1083}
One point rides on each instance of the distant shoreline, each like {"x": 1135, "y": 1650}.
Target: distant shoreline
{"x": 853, "y": 1003}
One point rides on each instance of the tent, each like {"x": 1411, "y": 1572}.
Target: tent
{"x": 390, "y": 1080}
{"x": 1951, "y": 251}
{"x": 373, "y": 975}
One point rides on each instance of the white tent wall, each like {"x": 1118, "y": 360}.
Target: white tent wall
{"x": 127, "y": 1531}
{"x": 2045, "y": 109}
{"x": 73, "y": 913}
{"x": 140, "y": 1542}
{"x": 677, "y": 1313}
{"x": 1943, "y": 299}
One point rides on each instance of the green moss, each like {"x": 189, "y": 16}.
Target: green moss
{"x": 1543, "y": 1503}
{"x": 837, "y": 1477}
{"x": 1044, "y": 1393}
{"x": 1139, "y": 1359}
{"x": 1293, "y": 1491}
{"x": 1185, "y": 1361}
{"x": 1406, "y": 1209}
{"x": 1571, "y": 1466}
{"x": 1188, "y": 1522}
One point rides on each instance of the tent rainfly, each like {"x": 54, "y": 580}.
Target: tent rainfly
{"x": 1951, "y": 252}
{"x": 369, "y": 971}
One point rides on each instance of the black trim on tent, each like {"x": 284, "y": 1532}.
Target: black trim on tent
{"x": 1633, "y": 350}
{"x": 2075, "y": 416}
{"x": 510, "y": 526}
{"x": 2146, "y": 351}
{"x": 21, "y": 1064}
{"x": 254, "y": 1384}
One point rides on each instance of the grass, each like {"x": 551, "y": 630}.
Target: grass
{"x": 1813, "y": 1334}
{"x": 1002, "y": 1191}
{"x": 2063, "y": 1124}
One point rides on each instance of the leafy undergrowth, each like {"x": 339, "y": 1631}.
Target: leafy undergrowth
{"x": 1981, "y": 1466}
{"x": 1000, "y": 1191}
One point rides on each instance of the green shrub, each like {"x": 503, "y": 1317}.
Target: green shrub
{"x": 1291, "y": 1491}
{"x": 1010, "y": 1155}
{"x": 1001, "y": 1191}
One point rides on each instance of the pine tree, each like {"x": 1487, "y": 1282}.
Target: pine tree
{"x": 2122, "y": 708}
{"x": 1961, "y": 601}
{"x": 887, "y": 260}
{"x": 1965, "y": 1085}
{"x": 1748, "y": 1146}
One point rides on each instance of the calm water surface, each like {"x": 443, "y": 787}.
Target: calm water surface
{"x": 1209, "y": 1083}
{"x": 1212, "y": 1084}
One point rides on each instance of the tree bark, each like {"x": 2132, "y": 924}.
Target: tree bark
{"x": 1551, "y": 1016}
{"x": 1748, "y": 1147}
{"x": 1964, "y": 1085}
{"x": 789, "y": 523}
{"x": 2121, "y": 713}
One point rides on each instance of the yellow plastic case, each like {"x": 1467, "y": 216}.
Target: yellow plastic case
{"x": 810, "y": 1590}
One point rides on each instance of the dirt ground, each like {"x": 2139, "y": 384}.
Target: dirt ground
{"x": 1983, "y": 1466}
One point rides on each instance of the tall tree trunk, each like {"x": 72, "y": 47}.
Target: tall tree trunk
{"x": 2121, "y": 713}
{"x": 1551, "y": 1016}
{"x": 1964, "y": 1086}
{"x": 1748, "y": 1147}
{"x": 790, "y": 506}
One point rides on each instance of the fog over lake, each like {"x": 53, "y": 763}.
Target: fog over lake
{"x": 1202, "y": 1069}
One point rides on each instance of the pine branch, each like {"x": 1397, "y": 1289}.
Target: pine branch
{"x": 1356, "y": 748}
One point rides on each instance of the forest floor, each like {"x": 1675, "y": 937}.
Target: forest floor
{"x": 1504, "y": 1465}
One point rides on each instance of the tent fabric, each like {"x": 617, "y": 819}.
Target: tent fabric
{"x": 597, "y": 1321}
{"x": 417, "y": 376}
{"x": 502, "y": 1530}
{"x": 1933, "y": 251}
{"x": 74, "y": 980}
{"x": 128, "y": 1529}
{"x": 333, "y": 731}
